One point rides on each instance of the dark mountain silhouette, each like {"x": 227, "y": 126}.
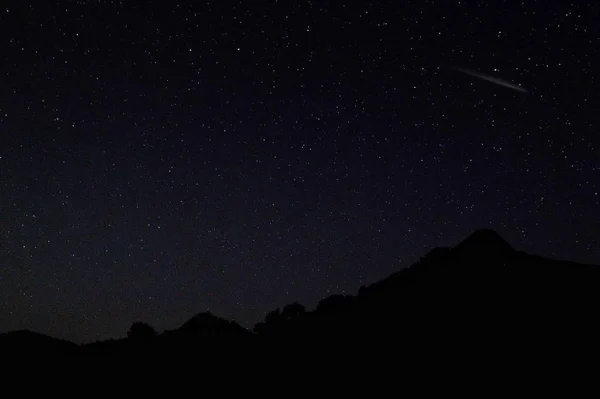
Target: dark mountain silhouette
{"x": 482, "y": 245}
{"x": 25, "y": 342}
{"x": 141, "y": 331}
{"x": 481, "y": 298}
{"x": 208, "y": 325}
{"x": 204, "y": 332}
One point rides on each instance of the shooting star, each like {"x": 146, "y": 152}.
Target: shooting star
{"x": 497, "y": 81}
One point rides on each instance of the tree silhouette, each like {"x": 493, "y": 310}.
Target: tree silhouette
{"x": 334, "y": 303}
{"x": 273, "y": 316}
{"x": 292, "y": 311}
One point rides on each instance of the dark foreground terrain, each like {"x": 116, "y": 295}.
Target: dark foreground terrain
{"x": 479, "y": 299}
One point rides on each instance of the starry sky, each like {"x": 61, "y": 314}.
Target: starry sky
{"x": 163, "y": 158}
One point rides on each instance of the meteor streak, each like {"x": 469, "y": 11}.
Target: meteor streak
{"x": 497, "y": 81}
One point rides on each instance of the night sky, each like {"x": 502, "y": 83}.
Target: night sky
{"x": 161, "y": 159}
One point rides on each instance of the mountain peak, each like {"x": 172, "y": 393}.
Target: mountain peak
{"x": 208, "y": 324}
{"x": 483, "y": 243}
{"x": 202, "y": 320}
{"x": 486, "y": 234}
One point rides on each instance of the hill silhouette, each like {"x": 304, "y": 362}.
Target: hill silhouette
{"x": 25, "y": 342}
{"x": 481, "y": 297}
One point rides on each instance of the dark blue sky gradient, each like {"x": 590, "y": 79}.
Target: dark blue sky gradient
{"x": 157, "y": 161}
